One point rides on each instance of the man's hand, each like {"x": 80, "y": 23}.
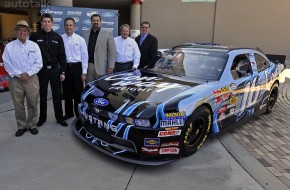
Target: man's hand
{"x": 109, "y": 70}
{"x": 84, "y": 77}
{"x": 24, "y": 76}
{"x": 61, "y": 77}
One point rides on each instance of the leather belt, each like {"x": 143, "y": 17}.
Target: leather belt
{"x": 72, "y": 64}
{"x": 51, "y": 66}
{"x": 122, "y": 63}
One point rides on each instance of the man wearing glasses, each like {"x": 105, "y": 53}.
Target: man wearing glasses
{"x": 148, "y": 45}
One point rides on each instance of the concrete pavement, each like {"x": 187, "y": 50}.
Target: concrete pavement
{"x": 56, "y": 160}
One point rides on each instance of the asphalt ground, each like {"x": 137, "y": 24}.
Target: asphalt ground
{"x": 56, "y": 159}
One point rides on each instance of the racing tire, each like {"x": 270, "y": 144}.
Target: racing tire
{"x": 272, "y": 98}
{"x": 196, "y": 130}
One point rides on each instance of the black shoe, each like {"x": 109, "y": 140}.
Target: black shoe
{"x": 33, "y": 131}
{"x": 65, "y": 117}
{"x": 20, "y": 132}
{"x": 40, "y": 122}
{"x": 62, "y": 122}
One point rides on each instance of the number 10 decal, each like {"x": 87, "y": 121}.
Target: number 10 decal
{"x": 251, "y": 94}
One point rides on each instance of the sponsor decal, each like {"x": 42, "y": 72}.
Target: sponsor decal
{"x": 233, "y": 86}
{"x": 76, "y": 13}
{"x": 88, "y": 21}
{"x": 168, "y": 123}
{"x": 217, "y": 94}
{"x": 173, "y": 143}
{"x": 140, "y": 83}
{"x": 101, "y": 102}
{"x": 152, "y": 142}
{"x": 90, "y": 13}
{"x": 222, "y": 116}
{"x": 55, "y": 26}
{"x": 108, "y": 22}
{"x": 77, "y": 19}
{"x": 231, "y": 106}
{"x": 175, "y": 115}
{"x": 169, "y": 150}
{"x": 225, "y": 103}
{"x": 96, "y": 110}
{"x": 170, "y": 128}
{"x": 108, "y": 15}
{"x": 85, "y": 28}
{"x": 169, "y": 133}
{"x": 53, "y": 12}
{"x": 95, "y": 121}
{"x": 226, "y": 96}
{"x": 222, "y": 110}
{"x": 232, "y": 111}
{"x": 225, "y": 89}
{"x": 196, "y": 52}
{"x": 146, "y": 150}
{"x": 233, "y": 100}
{"x": 57, "y": 19}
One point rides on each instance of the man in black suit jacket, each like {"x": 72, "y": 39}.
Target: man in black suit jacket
{"x": 148, "y": 45}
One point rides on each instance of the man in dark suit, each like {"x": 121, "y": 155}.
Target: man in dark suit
{"x": 148, "y": 45}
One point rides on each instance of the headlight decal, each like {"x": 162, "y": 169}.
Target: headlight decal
{"x": 84, "y": 96}
{"x": 128, "y": 111}
{"x": 126, "y": 132}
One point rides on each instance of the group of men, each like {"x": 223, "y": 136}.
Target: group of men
{"x": 70, "y": 60}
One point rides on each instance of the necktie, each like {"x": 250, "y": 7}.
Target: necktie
{"x": 142, "y": 39}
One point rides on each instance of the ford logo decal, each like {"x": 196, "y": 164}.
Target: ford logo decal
{"x": 108, "y": 15}
{"x": 101, "y": 101}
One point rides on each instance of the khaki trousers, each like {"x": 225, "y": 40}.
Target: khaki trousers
{"x": 19, "y": 90}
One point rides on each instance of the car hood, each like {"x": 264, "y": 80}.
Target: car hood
{"x": 135, "y": 92}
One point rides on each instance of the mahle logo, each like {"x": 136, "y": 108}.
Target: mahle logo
{"x": 26, "y": 4}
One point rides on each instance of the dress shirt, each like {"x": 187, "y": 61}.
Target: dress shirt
{"x": 21, "y": 58}
{"x": 142, "y": 38}
{"x": 51, "y": 47}
{"x": 76, "y": 50}
{"x": 92, "y": 44}
{"x": 127, "y": 50}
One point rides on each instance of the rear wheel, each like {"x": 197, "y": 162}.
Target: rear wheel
{"x": 195, "y": 131}
{"x": 272, "y": 98}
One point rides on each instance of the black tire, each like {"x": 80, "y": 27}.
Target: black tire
{"x": 196, "y": 130}
{"x": 272, "y": 98}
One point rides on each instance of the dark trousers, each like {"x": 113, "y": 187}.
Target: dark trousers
{"x": 123, "y": 66}
{"x": 72, "y": 88}
{"x": 53, "y": 77}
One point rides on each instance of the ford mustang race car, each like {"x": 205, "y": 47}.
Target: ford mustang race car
{"x": 155, "y": 116}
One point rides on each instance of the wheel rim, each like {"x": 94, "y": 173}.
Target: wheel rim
{"x": 196, "y": 131}
{"x": 272, "y": 98}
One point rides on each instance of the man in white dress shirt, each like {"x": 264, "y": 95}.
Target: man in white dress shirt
{"x": 22, "y": 60}
{"x": 127, "y": 51}
{"x": 76, "y": 70}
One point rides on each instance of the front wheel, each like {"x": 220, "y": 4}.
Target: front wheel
{"x": 196, "y": 130}
{"x": 272, "y": 98}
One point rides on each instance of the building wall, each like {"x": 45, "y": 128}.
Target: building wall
{"x": 259, "y": 23}
{"x": 8, "y": 22}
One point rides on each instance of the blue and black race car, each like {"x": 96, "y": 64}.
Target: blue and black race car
{"x": 155, "y": 116}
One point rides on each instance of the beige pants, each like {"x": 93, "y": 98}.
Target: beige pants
{"x": 19, "y": 90}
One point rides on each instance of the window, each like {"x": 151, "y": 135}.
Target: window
{"x": 241, "y": 66}
{"x": 261, "y": 62}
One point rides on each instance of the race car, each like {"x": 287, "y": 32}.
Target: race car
{"x": 155, "y": 116}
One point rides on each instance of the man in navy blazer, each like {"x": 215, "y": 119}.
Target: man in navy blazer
{"x": 148, "y": 45}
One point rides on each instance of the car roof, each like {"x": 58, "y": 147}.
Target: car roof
{"x": 209, "y": 47}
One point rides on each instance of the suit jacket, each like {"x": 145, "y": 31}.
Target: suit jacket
{"x": 105, "y": 51}
{"x": 148, "y": 51}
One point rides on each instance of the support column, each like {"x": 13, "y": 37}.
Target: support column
{"x": 67, "y": 3}
{"x": 135, "y": 17}
{"x": 33, "y": 18}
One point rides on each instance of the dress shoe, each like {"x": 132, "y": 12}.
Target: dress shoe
{"x": 62, "y": 123}
{"x": 40, "y": 122}
{"x": 20, "y": 132}
{"x": 33, "y": 131}
{"x": 65, "y": 117}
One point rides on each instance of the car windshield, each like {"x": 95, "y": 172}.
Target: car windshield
{"x": 191, "y": 62}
